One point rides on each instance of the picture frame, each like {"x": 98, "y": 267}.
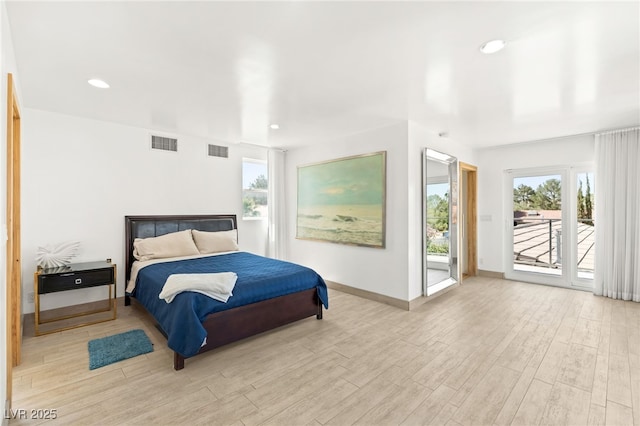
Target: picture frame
{"x": 343, "y": 201}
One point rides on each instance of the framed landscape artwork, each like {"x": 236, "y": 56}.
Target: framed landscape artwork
{"x": 343, "y": 201}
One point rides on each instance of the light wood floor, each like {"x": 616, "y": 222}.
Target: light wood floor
{"x": 489, "y": 352}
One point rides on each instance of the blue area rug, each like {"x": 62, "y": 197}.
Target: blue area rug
{"x": 108, "y": 350}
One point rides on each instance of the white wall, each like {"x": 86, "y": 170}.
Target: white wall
{"x": 382, "y": 271}
{"x": 81, "y": 177}
{"x": 7, "y": 65}
{"x": 492, "y": 164}
{"x": 395, "y": 271}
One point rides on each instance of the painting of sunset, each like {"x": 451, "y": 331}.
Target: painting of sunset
{"x": 343, "y": 201}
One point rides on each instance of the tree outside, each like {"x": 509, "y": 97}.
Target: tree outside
{"x": 437, "y": 223}
{"x": 254, "y": 199}
{"x": 547, "y": 196}
{"x": 585, "y": 203}
{"x": 260, "y": 183}
{"x": 523, "y": 197}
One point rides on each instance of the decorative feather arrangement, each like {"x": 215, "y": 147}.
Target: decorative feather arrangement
{"x": 51, "y": 256}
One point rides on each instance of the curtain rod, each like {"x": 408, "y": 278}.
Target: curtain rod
{"x": 597, "y": 132}
{"x": 606, "y": 132}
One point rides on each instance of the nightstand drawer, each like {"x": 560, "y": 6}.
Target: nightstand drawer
{"x": 73, "y": 280}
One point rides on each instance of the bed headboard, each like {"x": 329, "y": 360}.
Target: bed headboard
{"x": 153, "y": 226}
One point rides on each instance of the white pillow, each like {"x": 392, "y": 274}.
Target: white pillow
{"x": 174, "y": 244}
{"x": 215, "y": 242}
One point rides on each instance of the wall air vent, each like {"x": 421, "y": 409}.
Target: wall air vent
{"x": 164, "y": 143}
{"x": 218, "y": 151}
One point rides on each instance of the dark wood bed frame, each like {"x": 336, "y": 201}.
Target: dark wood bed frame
{"x": 233, "y": 324}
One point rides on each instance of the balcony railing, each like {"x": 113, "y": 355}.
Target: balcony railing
{"x": 537, "y": 242}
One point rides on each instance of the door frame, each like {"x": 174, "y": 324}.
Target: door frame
{"x": 565, "y": 279}
{"x": 470, "y": 218}
{"x": 574, "y": 280}
{"x": 13, "y": 261}
{"x": 510, "y": 272}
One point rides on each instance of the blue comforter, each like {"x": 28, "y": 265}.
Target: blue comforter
{"x": 259, "y": 278}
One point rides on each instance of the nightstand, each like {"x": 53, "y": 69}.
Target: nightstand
{"x": 72, "y": 277}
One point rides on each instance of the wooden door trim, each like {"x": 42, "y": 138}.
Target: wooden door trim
{"x": 471, "y": 218}
{"x": 13, "y": 264}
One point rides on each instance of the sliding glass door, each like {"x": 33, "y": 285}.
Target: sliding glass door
{"x": 537, "y": 224}
{"x": 550, "y": 238}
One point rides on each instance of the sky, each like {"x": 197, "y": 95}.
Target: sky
{"x": 533, "y": 181}
{"x": 346, "y": 181}
{"x": 437, "y": 189}
{"x": 251, "y": 170}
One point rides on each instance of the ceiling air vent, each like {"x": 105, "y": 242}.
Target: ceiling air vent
{"x": 164, "y": 144}
{"x": 218, "y": 151}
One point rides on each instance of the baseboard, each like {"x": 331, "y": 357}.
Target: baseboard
{"x": 7, "y": 411}
{"x": 65, "y": 310}
{"x": 419, "y": 301}
{"x": 28, "y": 328}
{"x": 365, "y": 294}
{"x": 388, "y": 300}
{"x": 490, "y": 274}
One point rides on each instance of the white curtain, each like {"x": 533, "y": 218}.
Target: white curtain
{"x": 617, "y": 215}
{"x": 277, "y": 205}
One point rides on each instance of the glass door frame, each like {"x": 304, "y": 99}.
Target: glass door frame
{"x": 510, "y": 272}
{"x": 575, "y": 280}
{"x": 569, "y": 276}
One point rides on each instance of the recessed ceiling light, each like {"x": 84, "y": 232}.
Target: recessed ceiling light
{"x": 101, "y": 84}
{"x": 492, "y": 46}
{"x": 275, "y": 126}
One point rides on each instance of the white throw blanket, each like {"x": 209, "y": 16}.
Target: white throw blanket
{"x": 218, "y": 286}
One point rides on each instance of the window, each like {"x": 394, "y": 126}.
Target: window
{"x": 254, "y": 189}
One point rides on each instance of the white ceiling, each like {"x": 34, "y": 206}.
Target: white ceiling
{"x": 226, "y": 70}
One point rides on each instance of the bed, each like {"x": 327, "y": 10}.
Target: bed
{"x": 268, "y": 293}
